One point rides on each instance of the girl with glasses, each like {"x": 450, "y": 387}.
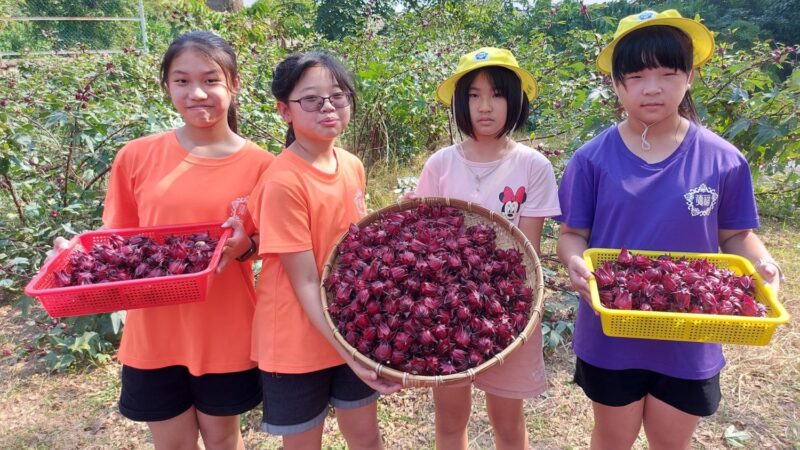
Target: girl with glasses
{"x": 301, "y": 207}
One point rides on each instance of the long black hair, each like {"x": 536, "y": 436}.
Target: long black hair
{"x": 291, "y": 70}
{"x": 507, "y": 84}
{"x": 653, "y": 47}
{"x": 215, "y": 49}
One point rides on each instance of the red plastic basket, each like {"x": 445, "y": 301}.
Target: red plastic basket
{"x": 131, "y": 294}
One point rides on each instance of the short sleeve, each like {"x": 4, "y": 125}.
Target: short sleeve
{"x": 362, "y": 176}
{"x": 120, "y": 209}
{"x": 542, "y": 199}
{"x": 428, "y": 185}
{"x": 737, "y": 205}
{"x": 280, "y": 212}
{"x": 576, "y": 194}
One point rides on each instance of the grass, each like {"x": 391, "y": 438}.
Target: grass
{"x": 760, "y": 385}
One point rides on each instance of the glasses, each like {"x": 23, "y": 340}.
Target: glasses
{"x": 313, "y": 103}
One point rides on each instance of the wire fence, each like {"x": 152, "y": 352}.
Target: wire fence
{"x": 47, "y": 27}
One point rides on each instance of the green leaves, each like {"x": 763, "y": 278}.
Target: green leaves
{"x": 749, "y": 96}
{"x": 736, "y": 438}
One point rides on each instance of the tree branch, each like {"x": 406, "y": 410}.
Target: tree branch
{"x": 68, "y": 167}
{"x": 14, "y": 198}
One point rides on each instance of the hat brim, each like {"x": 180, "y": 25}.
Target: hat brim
{"x": 445, "y": 90}
{"x": 702, "y": 40}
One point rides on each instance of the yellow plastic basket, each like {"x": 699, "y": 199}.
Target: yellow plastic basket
{"x": 689, "y": 327}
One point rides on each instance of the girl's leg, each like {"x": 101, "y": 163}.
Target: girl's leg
{"x": 453, "y": 406}
{"x": 508, "y": 422}
{"x": 220, "y": 432}
{"x": 307, "y": 440}
{"x": 616, "y": 427}
{"x": 666, "y": 426}
{"x": 177, "y": 433}
{"x": 359, "y": 426}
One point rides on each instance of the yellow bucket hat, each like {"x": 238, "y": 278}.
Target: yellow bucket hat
{"x": 702, "y": 39}
{"x": 484, "y": 57}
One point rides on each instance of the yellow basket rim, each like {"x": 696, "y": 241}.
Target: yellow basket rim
{"x": 769, "y": 295}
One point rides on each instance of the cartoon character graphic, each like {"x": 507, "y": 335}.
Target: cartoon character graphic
{"x": 512, "y": 201}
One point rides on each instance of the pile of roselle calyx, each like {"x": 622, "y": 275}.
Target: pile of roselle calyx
{"x": 675, "y": 285}
{"x": 136, "y": 257}
{"x": 418, "y": 291}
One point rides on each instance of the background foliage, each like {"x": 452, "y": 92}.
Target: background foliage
{"x": 62, "y": 119}
{"x": 21, "y": 36}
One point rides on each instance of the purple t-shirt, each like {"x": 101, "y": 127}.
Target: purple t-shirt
{"x": 678, "y": 204}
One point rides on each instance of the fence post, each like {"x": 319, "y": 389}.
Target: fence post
{"x": 143, "y": 26}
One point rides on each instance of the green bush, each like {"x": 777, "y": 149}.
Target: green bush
{"x": 62, "y": 119}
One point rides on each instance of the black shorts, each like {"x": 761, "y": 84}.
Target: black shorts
{"x": 294, "y": 403}
{"x": 161, "y": 394}
{"x": 622, "y": 387}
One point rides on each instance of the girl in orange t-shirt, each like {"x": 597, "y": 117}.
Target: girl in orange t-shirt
{"x": 303, "y": 203}
{"x": 187, "y": 368}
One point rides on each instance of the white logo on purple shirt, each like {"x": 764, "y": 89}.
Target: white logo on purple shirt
{"x": 701, "y": 200}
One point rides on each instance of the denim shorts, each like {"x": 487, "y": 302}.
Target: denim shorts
{"x": 623, "y": 387}
{"x": 151, "y": 395}
{"x": 297, "y": 402}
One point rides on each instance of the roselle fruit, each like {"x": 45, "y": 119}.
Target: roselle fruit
{"x": 137, "y": 257}
{"x": 440, "y": 297}
{"x": 636, "y": 282}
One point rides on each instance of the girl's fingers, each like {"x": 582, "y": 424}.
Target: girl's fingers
{"x": 60, "y": 243}
{"x": 768, "y": 272}
{"x": 771, "y": 276}
{"x": 371, "y": 378}
{"x": 233, "y": 222}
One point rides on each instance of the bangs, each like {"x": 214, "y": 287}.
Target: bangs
{"x": 503, "y": 80}
{"x": 651, "y": 48}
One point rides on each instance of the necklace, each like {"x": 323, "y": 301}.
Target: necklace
{"x": 478, "y": 178}
{"x": 646, "y": 146}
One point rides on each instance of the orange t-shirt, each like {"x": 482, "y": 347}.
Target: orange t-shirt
{"x": 154, "y": 181}
{"x": 297, "y": 208}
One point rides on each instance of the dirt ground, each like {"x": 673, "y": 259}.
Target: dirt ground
{"x": 77, "y": 410}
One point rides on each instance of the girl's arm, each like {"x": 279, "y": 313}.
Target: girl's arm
{"x": 571, "y": 244}
{"x": 532, "y": 228}
{"x": 746, "y": 243}
{"x": 302, "y": 271}
{"x": 237, "y": 244}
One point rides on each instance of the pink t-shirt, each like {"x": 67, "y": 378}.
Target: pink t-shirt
{"x": 521, "y": 184}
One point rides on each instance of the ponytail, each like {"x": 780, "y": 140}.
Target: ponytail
{"x": 289, "y": 136}
{"x": 687, "y": 110}
{"x": 233, "y": 116}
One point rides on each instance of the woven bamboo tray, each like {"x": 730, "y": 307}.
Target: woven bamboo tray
{"x": 508, "y": 236}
